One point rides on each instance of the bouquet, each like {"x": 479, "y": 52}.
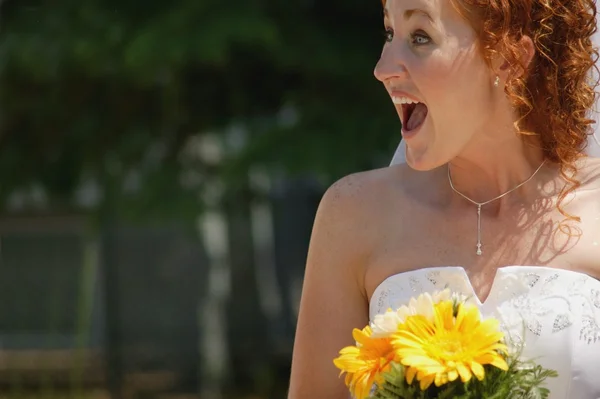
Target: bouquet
{"x": 438, "y": 347}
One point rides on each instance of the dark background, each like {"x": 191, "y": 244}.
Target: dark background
{"x": 160, "y": 166}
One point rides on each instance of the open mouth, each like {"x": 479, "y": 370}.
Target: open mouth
{"x": 413, "y": 113}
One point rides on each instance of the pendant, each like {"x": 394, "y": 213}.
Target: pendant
{"x": 479, "y": 252}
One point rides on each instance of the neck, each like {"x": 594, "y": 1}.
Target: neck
{"x": 483, "y": 174}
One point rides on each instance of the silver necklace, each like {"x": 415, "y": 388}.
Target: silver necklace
{"x": 480, "y": 204}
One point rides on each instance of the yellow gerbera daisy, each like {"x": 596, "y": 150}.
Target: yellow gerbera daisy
{"x": 440, "y": 350}
{"x": 387, "y": 323}
{"x": 366, "y": 362}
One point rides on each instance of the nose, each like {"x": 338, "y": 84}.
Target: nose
{"x": 391, "y": 64}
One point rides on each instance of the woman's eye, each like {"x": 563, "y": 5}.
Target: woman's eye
{"x": 389, "y": 35}
{"x": 420, "y": 38}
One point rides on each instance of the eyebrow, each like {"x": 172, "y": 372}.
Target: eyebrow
{"x": 408, "y": 14}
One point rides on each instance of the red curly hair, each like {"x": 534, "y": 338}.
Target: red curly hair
{"x": 555, "y": 94}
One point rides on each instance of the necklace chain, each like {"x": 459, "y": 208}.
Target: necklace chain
{"x": 480, "y": 204}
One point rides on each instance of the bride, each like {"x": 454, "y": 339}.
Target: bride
{"x": 493, "y": 192}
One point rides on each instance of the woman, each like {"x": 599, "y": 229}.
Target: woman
{"x": 496, "y": 198}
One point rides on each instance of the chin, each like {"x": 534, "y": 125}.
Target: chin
{"x": 422, "y": 160}
{"x": 420, "y": 166}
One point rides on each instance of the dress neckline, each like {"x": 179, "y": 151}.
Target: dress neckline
{"x": 501, "y": 271}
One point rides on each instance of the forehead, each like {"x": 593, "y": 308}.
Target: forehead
{"x": 399, "y": 6}
{"x": 434, "y": 9}
{"x": 442, "y": 13}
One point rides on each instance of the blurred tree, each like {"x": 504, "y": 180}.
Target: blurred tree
{"x": 130, "y": 96}
{"x": 90, "y": 89}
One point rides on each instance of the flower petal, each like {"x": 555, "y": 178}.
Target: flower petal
{"x": 478, "y": 370}
{"x": 441, "y": 379}
{"x": 411, "y": 372}
{"x": 465, "y": 373}
{"x": 452, "y": 375}
{"x": 426, "y": 382}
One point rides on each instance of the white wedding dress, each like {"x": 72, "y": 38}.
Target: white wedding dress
{"x": 553, "y": 313}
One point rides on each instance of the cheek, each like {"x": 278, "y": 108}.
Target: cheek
{"x": 441, "y": 87}
{"x": 454, "y": 85}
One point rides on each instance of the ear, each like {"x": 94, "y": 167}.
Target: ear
{"x": 527, "y": 52}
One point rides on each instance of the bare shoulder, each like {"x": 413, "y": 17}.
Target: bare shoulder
{"x": 333, "y": 300}
{"x": 362, "y": 194}
{"x": 355, "y": 208}
{"x": 348, "y": 216}
{"x": 359, "y": 188}
{"x": 589, "y": 173}
{"x": 587, "y": 208}
{"x": 587, "y": 194}
{"x": 363, "y": 211}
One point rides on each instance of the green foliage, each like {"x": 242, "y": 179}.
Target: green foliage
{"x": 90, "y": 89}
{"x": 523, "y": 380}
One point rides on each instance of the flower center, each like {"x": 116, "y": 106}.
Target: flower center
{"x": 448, "y": 347}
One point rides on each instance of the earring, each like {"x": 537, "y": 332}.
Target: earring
{"x": 497, "y": 81}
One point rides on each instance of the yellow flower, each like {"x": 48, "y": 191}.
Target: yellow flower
{"x": 386, "y": 324}
{"x": 366, "y": 362}
{"x": 441, "y": 350}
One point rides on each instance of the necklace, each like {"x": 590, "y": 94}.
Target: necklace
{"x": 480, "y": 204}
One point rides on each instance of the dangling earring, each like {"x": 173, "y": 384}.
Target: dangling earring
{"x": 497, "y": 81}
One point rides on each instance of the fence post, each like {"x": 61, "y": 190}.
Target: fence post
{"x": 111, "y": 290}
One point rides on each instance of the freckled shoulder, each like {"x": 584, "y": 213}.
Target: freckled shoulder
{"x": 362, "y": 194}
{"x": 356, "y": 210}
